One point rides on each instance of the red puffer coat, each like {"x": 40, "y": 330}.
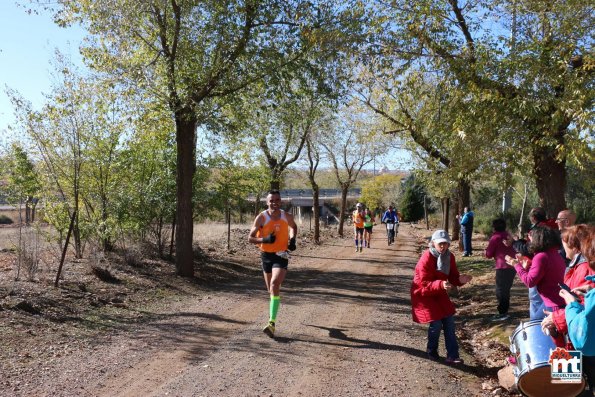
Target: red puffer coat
{"x": 574, "y": 277}
{"x": 429, "y": 300}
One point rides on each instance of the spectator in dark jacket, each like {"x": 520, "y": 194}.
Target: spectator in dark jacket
{"x": 504, "y": 274}
{"x": 466, "y": 222}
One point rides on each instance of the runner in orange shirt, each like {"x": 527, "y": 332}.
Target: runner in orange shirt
{"x": 358, "y": 225}
{"x": 274, "y": 231}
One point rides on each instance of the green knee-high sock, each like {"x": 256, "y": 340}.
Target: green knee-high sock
{"x": 274, "y": 307}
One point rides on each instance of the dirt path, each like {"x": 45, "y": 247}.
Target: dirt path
{"x": 344, "y": 329}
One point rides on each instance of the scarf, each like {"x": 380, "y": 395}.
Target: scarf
{"x": 578, "y": 258}
{"x": 443, "y": 264}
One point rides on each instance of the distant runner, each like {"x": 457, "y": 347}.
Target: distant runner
{"x": 275, "y": 231}
{"x": 391, "y": 219}
{"x": 368, "y": 225}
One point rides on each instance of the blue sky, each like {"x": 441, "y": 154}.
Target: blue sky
{"x": 27, "y": 46}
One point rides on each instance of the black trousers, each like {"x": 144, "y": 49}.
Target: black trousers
{"x": 504, "y": 280}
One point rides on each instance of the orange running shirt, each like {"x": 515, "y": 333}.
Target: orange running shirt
{"x": 281, "y": 229}
{"x": 358, "y": 219}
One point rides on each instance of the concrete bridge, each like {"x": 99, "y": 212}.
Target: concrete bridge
{"x": 300, "y": 197}
{"x": 301, "y": 202}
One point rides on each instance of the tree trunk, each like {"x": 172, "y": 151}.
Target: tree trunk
{"x": 76, "y": 231}
{"x": 65, "y": 248}
{"x": 20, "y": 256}
{"x": 445, "y": 206}
{"x": 454, "y": 210}
{"x": 523, "y": 206}
{"x": 344, "y": 190}
{"x": 185, "y": 167}
{"x": 106, "y": 241}
{"x": 28, "y": 210}
{"x": 173, "y": 234}
{"x": 550, "y": 178}
{"x": 228, "y": 219}
{"x": 35, "y": 200}
{"x": 316, "y": 212}
{"x": 426, "y": 212}
{"x": 462, "y": 199}
{"x": 159, "y": 235}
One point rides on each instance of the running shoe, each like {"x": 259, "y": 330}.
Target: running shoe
{"x": 454, "y": 361}
{"x": 270, "y": 329}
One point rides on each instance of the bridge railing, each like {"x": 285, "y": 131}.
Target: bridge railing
{"x": 324, "y": 193}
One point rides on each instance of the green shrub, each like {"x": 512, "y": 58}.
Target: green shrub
{"x": 412, "y": 201}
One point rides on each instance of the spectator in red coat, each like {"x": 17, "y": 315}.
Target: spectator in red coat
{"x": 436, "y": 273}
{"x": 575, "y": 275}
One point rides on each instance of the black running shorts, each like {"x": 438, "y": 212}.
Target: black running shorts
{"x": 271, "y": 260}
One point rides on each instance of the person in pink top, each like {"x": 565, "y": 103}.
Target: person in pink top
{"x": 504, "y": 274}
{"x": 547, "y": 268}
{"x": 575, "y": 275}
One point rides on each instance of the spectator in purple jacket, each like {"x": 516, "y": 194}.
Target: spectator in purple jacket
{"x": 504, "y": 274}
{"x": 546, "y": 269}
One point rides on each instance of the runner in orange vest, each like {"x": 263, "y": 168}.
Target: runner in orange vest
{"x": 358, "y": 225}
{"x": 274, "y": 231}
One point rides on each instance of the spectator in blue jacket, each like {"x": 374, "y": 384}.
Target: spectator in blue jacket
{"x": 581, "y": 318}
{"x": 466, "y": 222}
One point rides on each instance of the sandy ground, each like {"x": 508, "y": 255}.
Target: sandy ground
{"x": 344, "y": 329}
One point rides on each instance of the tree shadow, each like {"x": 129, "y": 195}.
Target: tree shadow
{"x": 339, "y": 334}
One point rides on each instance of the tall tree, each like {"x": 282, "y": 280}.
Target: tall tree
{"x": 143, "y": 201}
{"x": 532, "y": 60}
{"x": 59, "y": 132}
{"x": 190, "y": 53}
{"x": 440, "y": 125}
{"x": 283, "y": 131}
{"x": 313, "y": 159}
{"x": 346, "y": 147}
{"x": 381, "y": 191}
{"x": 76, "y": 138}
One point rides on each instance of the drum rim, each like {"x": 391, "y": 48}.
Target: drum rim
{"x": 522, "y": 326}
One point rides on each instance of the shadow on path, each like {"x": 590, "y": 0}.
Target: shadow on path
{"x": 339, "y": 334}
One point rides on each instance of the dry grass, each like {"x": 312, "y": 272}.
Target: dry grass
{"x": 211, "y": 231}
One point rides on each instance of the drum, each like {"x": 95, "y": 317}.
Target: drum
{"x": 531, "y": 348}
